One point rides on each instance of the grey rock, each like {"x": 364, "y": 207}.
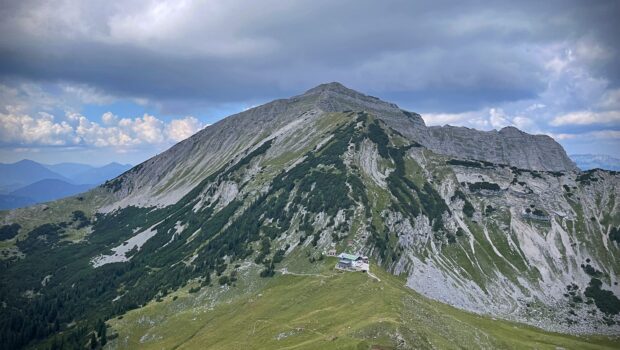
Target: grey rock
{"x": 165, "y": 178}
{"x": 509, "y": 145}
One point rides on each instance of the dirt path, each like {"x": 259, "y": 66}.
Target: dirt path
{"x": 373, "y": 276}
{"x": 285, "y": 271}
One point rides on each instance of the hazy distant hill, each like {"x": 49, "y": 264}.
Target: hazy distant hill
{"x": 99, "y": 175}
{"x": 24, "y": 172}
{"x": 593, "y": 161}
{"x": 41, "y": 191}
{"x": 68, "y": 170}
{"x": 50, "y": 189}
{"x": 88, "y": 174}
{"x": 27, "y": 182}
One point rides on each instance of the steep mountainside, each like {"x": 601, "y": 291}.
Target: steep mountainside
{"x": 164, "y": 179}
{"x": 275, "y": 188}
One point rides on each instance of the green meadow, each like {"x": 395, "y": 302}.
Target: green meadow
{"x": 320, "y": 308}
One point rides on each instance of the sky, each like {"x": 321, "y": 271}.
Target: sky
{"x": 102, "y": 81}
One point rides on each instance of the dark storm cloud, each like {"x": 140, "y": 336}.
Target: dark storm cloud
{"x": 440, "y": 56}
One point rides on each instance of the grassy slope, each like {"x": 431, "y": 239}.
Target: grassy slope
{"x": 328, "y": 310}
{"x": 51, "y": 212}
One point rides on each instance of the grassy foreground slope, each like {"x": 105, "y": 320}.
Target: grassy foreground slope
{"x": 326, "y": 309}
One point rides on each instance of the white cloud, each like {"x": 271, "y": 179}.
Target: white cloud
{"x": 447, "y": 118}
{"x": 535, "y": 106}
{"x": 147, "y": 129}
{"x": 600, "y": 134}
{"x": 610, "y": 100}
{"x": 586, "y": 118}
{"x": 34, "y": 97}
{"x": 180, "y": 129}
{"x": 523, "y": 123}
{"x": 43, "y": 129}
{"x": 498, "y": 118}
{"x": 86, "y": 94}
{"x": 485, "y": 119}
{"x": 109, "y": 119}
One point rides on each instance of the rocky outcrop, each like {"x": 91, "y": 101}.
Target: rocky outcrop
{"x": 507, "y": 146}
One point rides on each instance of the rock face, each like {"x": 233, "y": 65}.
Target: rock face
{"x": 165, "y": 178}
{"x": 507, "y": 146}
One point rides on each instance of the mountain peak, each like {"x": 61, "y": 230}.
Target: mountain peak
{"x": 511, "y": 131}
{"x": 335, "y": 97}
{"x": 334, "y": 86}
{"x": 27, "y": 162}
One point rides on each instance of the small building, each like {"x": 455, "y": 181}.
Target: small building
{"x": 352, "y": 262}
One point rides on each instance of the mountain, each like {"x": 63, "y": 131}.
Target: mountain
{"x": 23, "y": 173}
{"x": 41, "y": 191}
{"x": 99, "y": 175}
{"x": 165, "y": 178}
{"x": 49, "y": 189}
{"x": 507, "y": 146}
{"x": 222, "y": 241}
{"x": 27, "y": 182}
{"x": 593, "y": 161}
{"x": 68, "y": 170}
{"x": 87, "y": 174}
{"x": 26, "y": 172}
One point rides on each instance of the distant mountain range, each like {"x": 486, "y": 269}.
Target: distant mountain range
{"x": 25, "y": 172}
{"x": 27, "y": 182}
{"x": 85, "y": 174}
{"x": 593, "y": 161}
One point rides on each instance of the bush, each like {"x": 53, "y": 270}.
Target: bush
{"x": 269, "y": 270}
{"x": 451, "y": 238}
{"x": 489, "y": 210}
{"x": 460, "y": 232}
{"x": 278, "y": 256}
{"x": 468, "y": 209}
{"x": 458, "y": 194}
{"x": 614, "y": 234}
{"x": 483, "y": 186}
{"x": 586, "y": 177}
{"x": 9, "y": 231}
{"x": 605, "y": 300}
{"x": 592, "y": 271}
{"x": 465, "y": 163}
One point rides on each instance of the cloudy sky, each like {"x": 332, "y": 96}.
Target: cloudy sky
{"x": 101, "y": 81}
